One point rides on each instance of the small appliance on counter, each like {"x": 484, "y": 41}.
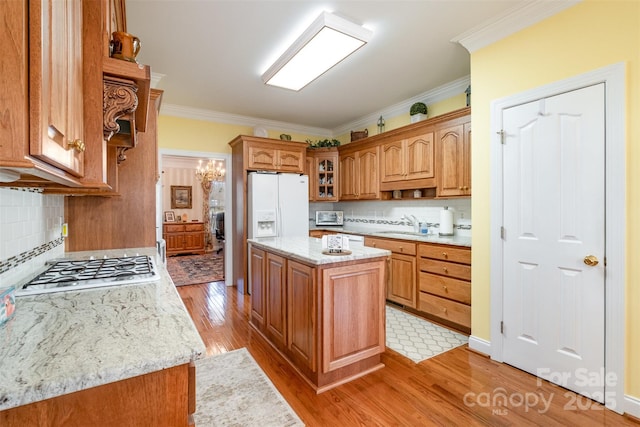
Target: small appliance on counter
{"x": 329, "y": 217}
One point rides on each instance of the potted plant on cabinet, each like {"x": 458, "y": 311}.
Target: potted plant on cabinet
{"x": 418, "y": 112}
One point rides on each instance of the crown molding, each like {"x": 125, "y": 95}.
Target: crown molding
{"x": 440, "y": 93}
{"x": 510, "y": 22}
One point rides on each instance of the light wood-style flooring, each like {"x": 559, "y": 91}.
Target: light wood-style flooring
{"x": 459, "y": 387}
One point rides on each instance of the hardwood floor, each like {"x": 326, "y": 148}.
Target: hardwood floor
{"x": 459, "y": 387}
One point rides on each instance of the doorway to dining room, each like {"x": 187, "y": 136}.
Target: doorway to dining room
{"x": 207, "y": 201}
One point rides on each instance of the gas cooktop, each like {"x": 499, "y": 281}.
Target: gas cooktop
{"x": 72, "y": 274}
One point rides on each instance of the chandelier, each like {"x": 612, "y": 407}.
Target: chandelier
{"x": 211, "y": 172}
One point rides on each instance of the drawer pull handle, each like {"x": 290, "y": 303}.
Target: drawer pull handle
{"x": 445, "y": 269}
{"x": 444, "y": 254}
{"x": 444, "y": 309}
{"x": 444, "y": 287}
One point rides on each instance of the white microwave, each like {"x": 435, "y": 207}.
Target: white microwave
{"x": 329, "y": 217}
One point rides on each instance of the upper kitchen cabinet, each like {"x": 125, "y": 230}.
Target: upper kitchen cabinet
{"x": 55, "y": 84}
{"x": 323, "y": 174}
{"x": 275, "y": 155}
{"x": 406, "y": 160}
{"x": 359, "y": 178}
{"x": 454, "y": 158}
{"x": 54, "y": 101}
{"x": 41, "y": 134}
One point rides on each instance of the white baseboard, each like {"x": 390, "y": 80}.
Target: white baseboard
{"x": 480, "y": 345}
{"x": 632, "y": 406}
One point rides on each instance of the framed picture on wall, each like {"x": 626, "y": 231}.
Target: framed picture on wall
{"x": 169, "y": 216}
{"x": 180, "y": 197}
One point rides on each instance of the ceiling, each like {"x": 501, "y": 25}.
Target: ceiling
{"x": 212, "y": 54}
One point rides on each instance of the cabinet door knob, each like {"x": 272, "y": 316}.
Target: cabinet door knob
{"x": 76, "y": 144}
{"x": 444, "y": 309}
{"x": 444, "y": 254}
{"x": 445, "y": 269}
{"x": 444, "y": 287}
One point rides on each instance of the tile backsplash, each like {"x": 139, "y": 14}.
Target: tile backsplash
{"x": 390, "y": 215}
{"x": 30, "y": 232}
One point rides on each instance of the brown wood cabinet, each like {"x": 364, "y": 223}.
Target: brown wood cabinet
{"x": 53, "y": 81}
{"x": 445, "y": 284}
{"x": 454, "y": 158}
{"x": 278, "y": 156}
{"x": 327, "y": 320}
{"x": 323, "y": 174}
{"x": 56, "y": 98}
{"x": 401, "y": 280}
{"x": 359, "y": 177}
{"x": 408, "y": 159}
{"x": 162, "y": 398}
{"x": 184, "y": 238}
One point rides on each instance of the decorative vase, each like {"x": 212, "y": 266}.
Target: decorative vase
{"x": 415, "y": 118}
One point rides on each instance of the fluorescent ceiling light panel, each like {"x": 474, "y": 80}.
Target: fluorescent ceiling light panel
{"x": 326, "y": 42}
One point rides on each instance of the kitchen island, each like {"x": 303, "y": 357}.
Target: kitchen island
{"x": 118, "y": 355}
{"x": 325, "y": 314}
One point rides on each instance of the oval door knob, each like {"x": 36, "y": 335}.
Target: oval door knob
{"x": 591, "y": 260}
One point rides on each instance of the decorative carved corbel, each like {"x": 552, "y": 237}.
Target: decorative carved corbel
{"x": 119, "y": 99}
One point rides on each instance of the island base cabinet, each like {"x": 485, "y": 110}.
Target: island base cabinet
{"x": 353, "y": 314}
{"x": 161, "y": 399}
{"x": 327, "y": 321}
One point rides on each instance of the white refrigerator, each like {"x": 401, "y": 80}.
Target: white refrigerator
{"x": 277, "y": 205}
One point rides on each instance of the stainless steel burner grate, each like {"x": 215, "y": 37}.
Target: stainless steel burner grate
{"x": 82, "y": 274}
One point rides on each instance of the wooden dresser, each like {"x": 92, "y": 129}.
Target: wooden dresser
{"x": 183, "y": 238}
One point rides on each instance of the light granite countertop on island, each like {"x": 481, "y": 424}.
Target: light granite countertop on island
{"x": 62, "y": 342}
{"x": 309, "y": 250}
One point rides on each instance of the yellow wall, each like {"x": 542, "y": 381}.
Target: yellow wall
{"x": 585, "y": 37}
{"x": 198, "y": 135}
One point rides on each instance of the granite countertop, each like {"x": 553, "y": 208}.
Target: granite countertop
{"x": 62, "y": 342}
{"x": 309, "y": 250}
{"x": 454, "y": 240}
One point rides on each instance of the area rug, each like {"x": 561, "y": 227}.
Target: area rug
{"x": 195, "y": 269}
{"x": 232, "y": 390}
{"x": 419, "y": 339}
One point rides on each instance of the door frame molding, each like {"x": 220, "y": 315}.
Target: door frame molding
{"x": 613, "y": 76}
{"x": 228, "y": 194}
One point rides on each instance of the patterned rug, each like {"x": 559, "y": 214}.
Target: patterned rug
{"x": 195, "y": 269}
{"x": 232, "y": 390}
{"x": 419, "y": 339}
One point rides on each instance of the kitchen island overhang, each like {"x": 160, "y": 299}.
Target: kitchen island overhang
{"x": 325, "y": 314}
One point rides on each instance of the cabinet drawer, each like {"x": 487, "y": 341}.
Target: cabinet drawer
{"x": 397, "y": 246}
{"x": 446, "y": 287}
{"x": 194, "y": 227}
{"x": 445, "y": 309}
{"x": 446, "y": 253}
{"x": 173, "y": 228}
{"x": 450, "y": 269}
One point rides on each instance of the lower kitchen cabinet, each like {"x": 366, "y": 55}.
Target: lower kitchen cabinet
{"x": 161, "y": 398}
{"x": 327, "y": 320}
{"x": 401, "y": 281}
{"x": 184, "y": 238}
{"x": 445, "y": 284}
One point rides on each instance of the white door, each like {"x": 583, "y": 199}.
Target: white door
{"x": 554, "y": 231}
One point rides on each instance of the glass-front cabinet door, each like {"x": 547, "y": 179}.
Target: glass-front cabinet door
{"x": 326, "y": 176}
